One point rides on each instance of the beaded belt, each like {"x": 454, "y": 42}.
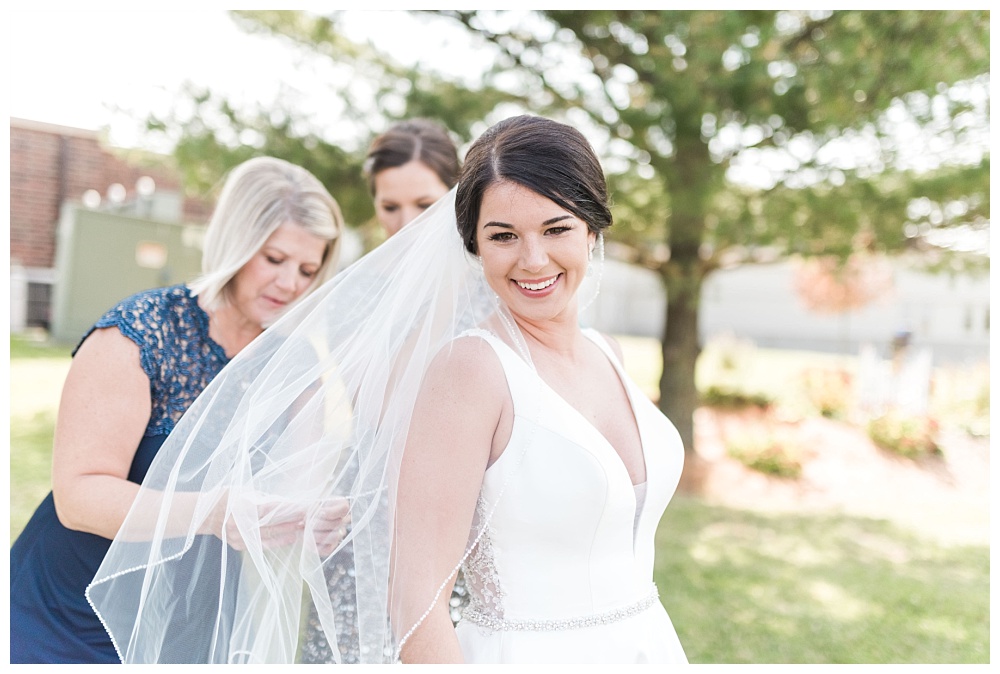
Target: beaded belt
{"x": 478, "y": 616}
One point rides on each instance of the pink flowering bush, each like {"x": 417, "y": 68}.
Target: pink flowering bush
{"x": 767, "y": 454}
{"x": 905, "y": 435}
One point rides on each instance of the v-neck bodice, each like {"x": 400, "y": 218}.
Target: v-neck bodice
{"x": 563, "y": 537}
{"x": 602, "y": 344}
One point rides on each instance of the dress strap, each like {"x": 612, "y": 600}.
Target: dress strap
{"x": 602, "y": 343}
{"x": 522, "y": 381}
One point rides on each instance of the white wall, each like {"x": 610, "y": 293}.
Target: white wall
{"x": 949, "y": 314}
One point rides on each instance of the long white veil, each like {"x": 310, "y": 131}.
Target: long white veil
{"x": 307, "y": 421}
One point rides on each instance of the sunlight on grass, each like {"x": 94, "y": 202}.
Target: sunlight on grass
{"x": 37, "y": 372}
{"x": 30, "y": 466}
{"x": 35, "y": 386}
{"x": 735, "y": 595}
{"x": 838, "y": 602}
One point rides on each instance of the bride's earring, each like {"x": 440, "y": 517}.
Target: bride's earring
{"x": 590, "y": 261}
{"x": 599, "y": 244}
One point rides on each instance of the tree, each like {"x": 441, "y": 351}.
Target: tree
{"x": 693, "y": 100}
{"x": 729, "y": 137}
{"x": 210, "y": 135}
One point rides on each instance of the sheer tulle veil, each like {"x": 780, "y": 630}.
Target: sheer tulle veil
{"x": 310, "y": 417}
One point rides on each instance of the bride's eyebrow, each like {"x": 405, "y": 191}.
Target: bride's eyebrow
{"x": 550, "y": 221}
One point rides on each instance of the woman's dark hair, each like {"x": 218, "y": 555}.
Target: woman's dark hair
{"x": 549, "y": 158}
{"x": 413, "y": 140}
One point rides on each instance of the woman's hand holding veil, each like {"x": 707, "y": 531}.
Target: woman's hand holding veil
{"x": 276, "y": 522}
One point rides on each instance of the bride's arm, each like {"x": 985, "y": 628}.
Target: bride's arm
{"x": 447, "y": 451}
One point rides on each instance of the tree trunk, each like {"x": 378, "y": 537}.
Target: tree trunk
{"x": 678, "y": 393}
{"x": 690, "y": 179}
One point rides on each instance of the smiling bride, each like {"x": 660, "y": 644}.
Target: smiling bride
{"x": 549, "y": 453}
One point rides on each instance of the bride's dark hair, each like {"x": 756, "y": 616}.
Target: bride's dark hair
{"x": 551, "y": 159}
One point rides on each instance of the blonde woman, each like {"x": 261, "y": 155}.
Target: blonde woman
{"x": 273, "y": 238}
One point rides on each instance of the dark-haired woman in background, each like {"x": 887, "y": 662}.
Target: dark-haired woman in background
{"x": 409, "y": 167}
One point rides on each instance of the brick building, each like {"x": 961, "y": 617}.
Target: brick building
{"x": 50, "y": 165}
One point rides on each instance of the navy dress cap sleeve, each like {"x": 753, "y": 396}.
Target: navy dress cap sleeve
{"x": 175, "y": 351}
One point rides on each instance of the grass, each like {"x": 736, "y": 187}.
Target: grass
{"x": 740, "y": 587}
{"x": 37, "y": 372}
{"x": 30, "y": 467}
{"x": 22, "y": 348}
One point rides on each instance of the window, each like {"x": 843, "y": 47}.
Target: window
{"x": 39, "y": 310}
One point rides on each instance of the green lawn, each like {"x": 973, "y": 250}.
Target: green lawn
{"x": 740, "y": 587}
{"x": 37, "y": 372}
{"x": 743, "y": 587}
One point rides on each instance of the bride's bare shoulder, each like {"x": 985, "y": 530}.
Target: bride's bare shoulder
{"x": 469, "y": 365}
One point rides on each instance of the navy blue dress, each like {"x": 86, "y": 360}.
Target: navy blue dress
{"x": 50, "y": 565}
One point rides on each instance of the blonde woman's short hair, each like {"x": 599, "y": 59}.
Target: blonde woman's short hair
{"x": 259, "y": 196}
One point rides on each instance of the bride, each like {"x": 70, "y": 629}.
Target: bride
{"x": 442, "y": 388}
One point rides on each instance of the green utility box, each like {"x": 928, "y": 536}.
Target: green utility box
{"x": 103, "y": 257}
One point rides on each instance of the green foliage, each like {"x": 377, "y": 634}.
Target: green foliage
{"x": 745, "y": 587}
{"x": 766, "y": 453}
{"x": 213, "y": 137}
{"x": 686, "y": 107}
{"x": 905, "y": 435}
{"x": 717, "y": 396}
{"x": 689, "y": 95}
{"x": 960, "y": 397}
{"x": 807, "y": 103}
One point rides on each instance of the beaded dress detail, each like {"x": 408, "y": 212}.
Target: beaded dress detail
{"x": 480, "y": 570}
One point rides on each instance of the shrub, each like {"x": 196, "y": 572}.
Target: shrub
{"x": 829, "y": 391}
{"x": 767, "y": 454}
{"x": 905, "y": 435}
{"x": 718, "y": 396}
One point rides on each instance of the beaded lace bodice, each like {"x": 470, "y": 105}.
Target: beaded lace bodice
{"x": 480, "y": 571}
{"x": 175, "y": 350}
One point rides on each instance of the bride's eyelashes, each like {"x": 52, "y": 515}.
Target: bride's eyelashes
{"x": 510, "y": 236}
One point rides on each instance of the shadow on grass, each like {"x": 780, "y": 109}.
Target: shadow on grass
{"x": 743, "y": 587}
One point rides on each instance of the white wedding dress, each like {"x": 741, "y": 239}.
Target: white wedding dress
{"x": 564, "y": 570}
